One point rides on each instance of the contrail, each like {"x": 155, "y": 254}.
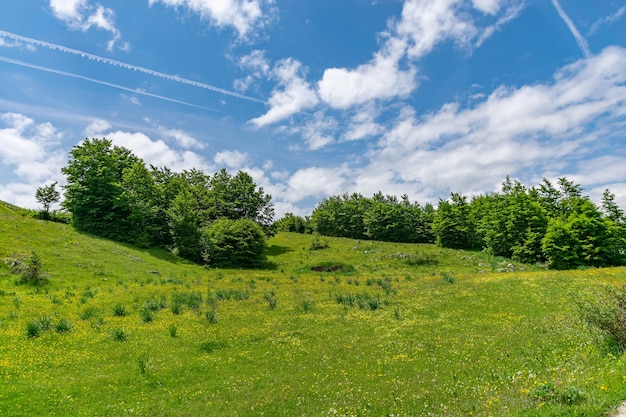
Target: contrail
{"x": 580, "y": 40}
{"x": 69, "y": 74}
{"x": 124, "y": 65}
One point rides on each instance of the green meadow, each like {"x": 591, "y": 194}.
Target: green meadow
{"x": 330, "y": 327}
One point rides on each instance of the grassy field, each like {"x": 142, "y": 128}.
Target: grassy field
{"x": 392, "y": 329}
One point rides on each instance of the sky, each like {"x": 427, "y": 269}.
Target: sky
{"x": 317, "y": 97}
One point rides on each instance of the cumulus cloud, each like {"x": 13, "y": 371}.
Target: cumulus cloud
{"x": 157, "y": 152}
{"x": 83, "y": 15}
{"x": 97, "y": 128}
{"x": 245, "y": 16}
{"x": 30, "y": 150}
{"x": 316, "y": 182}
{"x": 381, "y": 78}
{"x": 182, "y": 138}
{"x": 293, "y": 95}
{"x": 513, "y": 131}
{"x": 233, "y": 160}
{"x": 363, "y": 124}
{"x": 392, "y": 71}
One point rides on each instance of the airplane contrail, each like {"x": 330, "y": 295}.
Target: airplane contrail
{"x": 125, "y": 65}
{"x": 93, "y": 80}
{"x": 580, "y": 40}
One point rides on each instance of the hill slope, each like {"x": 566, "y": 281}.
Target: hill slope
{"x": 394, "y": 329}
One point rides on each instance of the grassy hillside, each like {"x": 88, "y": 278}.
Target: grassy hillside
{"x": 393, "y": 329}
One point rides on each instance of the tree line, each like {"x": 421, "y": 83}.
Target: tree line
{"x": 548, "y": 223}
{"x": 224, "y": 219}
{"x": 220, "y": 219}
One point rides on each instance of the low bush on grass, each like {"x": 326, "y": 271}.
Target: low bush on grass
{"x": 548, "y": 392}
{"x": 605, "y": 311}
{"x": 271, "y": 299}
{"x": 31, "y": 272}
{"x": 318, "y": 243}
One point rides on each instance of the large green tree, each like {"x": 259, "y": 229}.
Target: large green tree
{"x": 93, "y": 193}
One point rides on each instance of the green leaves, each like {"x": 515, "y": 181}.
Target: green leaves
{"x": 234, "y": 244}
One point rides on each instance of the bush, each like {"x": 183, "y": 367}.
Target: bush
{"x": 317, "y": 243}
{"x": 234, "y": 244}
{"x": 32, "y": 273}
{"x": 606, "y": 312}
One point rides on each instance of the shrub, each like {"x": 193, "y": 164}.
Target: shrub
{"x": 606, "y": 312}
{"x": 317, "y": 243}
{"x": 271, "y": 299}
{"x": 418, "y": 259}
{"x": 234, "y": 244}
{"x": 32, "y": 271}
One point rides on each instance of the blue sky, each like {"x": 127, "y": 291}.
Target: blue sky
{"x": 314, "y": 98}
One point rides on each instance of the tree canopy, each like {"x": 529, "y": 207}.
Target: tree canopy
{"x": 110, "y": 192}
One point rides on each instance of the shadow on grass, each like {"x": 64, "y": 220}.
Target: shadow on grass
{"x": 276, "y": 250}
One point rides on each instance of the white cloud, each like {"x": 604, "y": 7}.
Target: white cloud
{"x": 534, "y": 128}
{"x": 83, "y": 15}
{"x": 233, "y": 160}
{"x": 257, "y": 65}
{"x": 487, "y": 6}
{"x": 244, "y": 16}
{"x": 608, "y": 20}
{"x": 294, "y": 94}
{"x": 183, "y": 139}
{"x": 316, "y": 182}
{"x": 30, "y": 151}
{"x": 157, "y": 152}
{"x": 381, "y": 78}
{"x": 97, "y": 128}
{"x": 363, "y": 124}
{"x": 391, "y": 73}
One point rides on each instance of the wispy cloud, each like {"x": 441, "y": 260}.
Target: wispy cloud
{"x": 607, "y": 20}
{"x": 580, "y": 40}
{"x": 124, "y": 65}
{"x": 83, "y": 15}
{"x": 93, "y": 80}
